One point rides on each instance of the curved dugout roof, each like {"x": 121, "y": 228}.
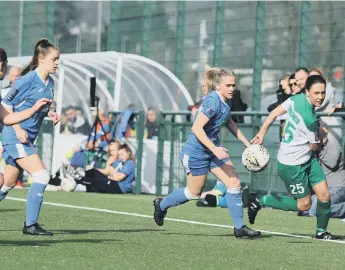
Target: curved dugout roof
{"x": 121, "y": 79}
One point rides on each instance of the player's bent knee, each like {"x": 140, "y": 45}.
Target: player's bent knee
{"x": 324, "y": 197}
{"x": 237, "y": 183}
{"x": 41, "y": 177}
{"x": 191, "y": 196}
{"x": 304, "y": 205}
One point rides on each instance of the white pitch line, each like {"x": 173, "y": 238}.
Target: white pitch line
{"x": 171, "y": 219}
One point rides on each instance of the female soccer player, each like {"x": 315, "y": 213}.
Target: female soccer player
{"x": 19, "y": 150}
{"x": 202, "y": 153}
{"x": 296, "y": 162}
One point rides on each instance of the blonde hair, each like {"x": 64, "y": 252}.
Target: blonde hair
{"x": 285, "y": 77}
{"x": 213, "y": 75}
{"x": 319, "y": 71}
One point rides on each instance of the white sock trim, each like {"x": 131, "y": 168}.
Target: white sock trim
{"x": 189, "y": 195}
{"x": 41, "y": 177}
{"x": 5, "y": 189}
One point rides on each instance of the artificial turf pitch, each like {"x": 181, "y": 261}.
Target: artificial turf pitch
{"x": 95, "y": 238}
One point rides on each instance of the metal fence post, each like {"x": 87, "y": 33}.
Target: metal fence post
{"x": 50, "y": 9}
{"x": 258, "y": 66}
{"x": 218, "y": 41}
{"x": 181, "y": 14}
{"x": 146, "y": 32}
{"x": 2, "y": 23}
{"x": 160, "y": 154}
{"x": 171, "y": 164}
{"x": 27, "y": 44}
{"x": 304, "y": 34}
{"x": 258, "y": 57}
{"x": 139, "y": 154}
{"x": 112, "y": 26}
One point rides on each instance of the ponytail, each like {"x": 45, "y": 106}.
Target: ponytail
{"x": 209, "y": 77}
{"x": 42, "y": 48}
{"x": 212, "y": 77}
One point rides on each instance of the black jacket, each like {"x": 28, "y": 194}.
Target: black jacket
{"x": 281, "y": 97}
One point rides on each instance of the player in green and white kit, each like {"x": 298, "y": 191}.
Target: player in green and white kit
{"x": 296, "y": 162}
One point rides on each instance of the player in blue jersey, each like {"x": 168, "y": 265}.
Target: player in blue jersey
{"x": 202, "y": 153}
{"x": 18, "y": 140}
{"x": 15, "y": 118}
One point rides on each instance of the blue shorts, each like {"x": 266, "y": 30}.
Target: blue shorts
{"x": 12, "y": 152}
{"x": 200, "y": 164}
{"x": 220, "y": 188}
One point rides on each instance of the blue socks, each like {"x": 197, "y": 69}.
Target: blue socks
{"x": 173, "y": 199}
{"x": 234, "y": 201}
{"x": 34, "y": 202}
{"x": 4, "y": 191}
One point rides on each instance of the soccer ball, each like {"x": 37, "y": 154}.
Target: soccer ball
{"x": 255, "y": 158}
{"x": 68, "y": 184}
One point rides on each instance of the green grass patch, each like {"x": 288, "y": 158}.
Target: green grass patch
{"x": 86, "y": 239}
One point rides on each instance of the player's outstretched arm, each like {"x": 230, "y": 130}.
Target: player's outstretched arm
{"x": 17, "y": 117}
{"x": 259, "y": 138}
{"x": 232, "y": 126}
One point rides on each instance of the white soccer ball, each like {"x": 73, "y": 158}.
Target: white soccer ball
{"x": 68, "y": 184}
{"x": 255, "y": 158}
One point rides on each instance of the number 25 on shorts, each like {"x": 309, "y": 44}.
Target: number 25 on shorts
{"x": 297, "y": 189}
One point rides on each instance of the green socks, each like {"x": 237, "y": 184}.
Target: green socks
{"x": 280, "y": 202}
{"x": 323, "y": 212}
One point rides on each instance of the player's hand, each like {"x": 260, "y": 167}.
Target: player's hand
{"x": 22, "y": 135}
{"x": 220, "y": 152}
{"x": 331, "y": 111}
{"x": 41, "y": 103}
{"x": 338, "y": 106}
{"x": 258, "y": 139}
{"x": 55, "y": 117}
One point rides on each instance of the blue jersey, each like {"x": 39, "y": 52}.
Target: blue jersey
{"x": 24, "y": 93}
{"x": 218, "y": 112}
{"x": 128, "y": 168}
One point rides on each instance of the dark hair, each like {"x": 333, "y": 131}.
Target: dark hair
{"x": 302, "y": 69}
{"x": 131, "y": 106}
{"x": 42, "y": 48}
{"x": 151, "y": 108}
{"x": 126, "y": 147}
{"x": 3, "y": 55}
{"x": 313, "y": 80}
{"x": 292, "y": 76}
{"x": 70, "y": 107}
